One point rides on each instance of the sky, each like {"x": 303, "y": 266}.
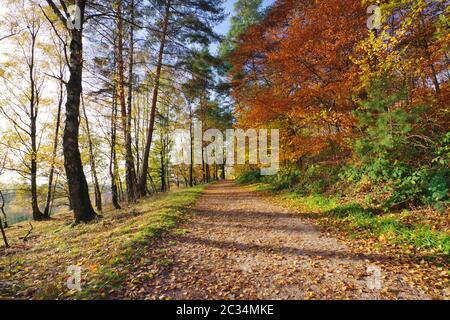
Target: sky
{"x": 220, "y": 29}
{"x": 225, "y": 26}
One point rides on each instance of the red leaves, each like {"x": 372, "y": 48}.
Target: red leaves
{"x": 295, "y": 68}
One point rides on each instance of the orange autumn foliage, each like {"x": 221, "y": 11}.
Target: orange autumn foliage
{"x": 294, "y": 69}
{"x": 308, "y": 65}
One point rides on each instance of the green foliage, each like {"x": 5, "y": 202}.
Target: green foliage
{"x": 443, "y": 151}
{"x": 315, "y": 179}
{"x": 389, "y": 227}
{"x": 246, "y": 14}
{"x": 285, "y": 179}
{"x": 384, "y": 124}
{"x": 249, "y": 177}
{"x": 318, "y": 179}
{"x": 364, "y": 223}
{"x": 387, "y": 169}
{"x": 394, "y": 170}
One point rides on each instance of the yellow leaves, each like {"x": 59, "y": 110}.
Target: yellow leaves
{"x": 383, "y": 239}
{"x": 93, "y": 268}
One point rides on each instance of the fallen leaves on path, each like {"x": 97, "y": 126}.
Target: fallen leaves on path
{"x": 239, "y": 245}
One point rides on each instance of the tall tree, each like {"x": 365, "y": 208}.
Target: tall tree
{"x": 182, "y": 23}
{"x": 33, "y": 29}
{"x": 60, "y": 76}
{"x": 246, "y": 13}
{"x": 24, "y": 103}
{"x": 113, "y": 169}
{"x": 198, "y": 90}
{"x": 294, "y": 69}
{"x": 148, "y": 145}
{"x": 92, "y": 159}
{"x": 76, "y": 179}
{"x": 126, "y": 109}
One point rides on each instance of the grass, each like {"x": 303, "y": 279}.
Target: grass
{"x": 104, "y": 249}
{"x": 424, "y": 231}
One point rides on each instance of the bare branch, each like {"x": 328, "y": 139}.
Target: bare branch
{"x": 57, "y": 11}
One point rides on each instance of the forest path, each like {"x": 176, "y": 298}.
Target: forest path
{"x": 238, "y": 245}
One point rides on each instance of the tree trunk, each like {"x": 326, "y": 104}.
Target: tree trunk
{"x": 2, "y": 209}
{"x": 37, "y": 214}
{"x": 2, "y": 226}
{"x": 130, "y": 174}
{"x": 5, "y": 240}
{"x": 97, "y": 192}
{"x": 113, "y": 159}
{"x": 223, "y": 172}
{"x": 144, "y": 171}
{"x": 208, "y": 173}
{"x": 191, "y": 133}
{"x": 163, "y": 171}
{"x": 137, "y": 131}
{"x": 132, "y": 180}
{"x": 78, "y": 187}
{"x": 53, "y": 193}
{"x": 167, "y": 168}
{"x": 55, "y": 149}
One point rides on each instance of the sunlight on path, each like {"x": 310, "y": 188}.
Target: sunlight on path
{"x": 240, "y": 246}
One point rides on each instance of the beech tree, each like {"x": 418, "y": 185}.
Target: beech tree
{"x": 298, "y": 75}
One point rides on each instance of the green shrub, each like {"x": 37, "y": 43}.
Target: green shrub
{"x": 389, "y": 165}
{"x": 249, "y": 177}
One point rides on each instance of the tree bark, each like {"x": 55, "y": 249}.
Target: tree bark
{"x": 163, "y": 171}
{"x": 97, "y": 192}
{"x": 78, "y": 187}
{"x": 55, "y": 149}
{"x": 5, "y": 240}
{"x": 37, "y": 214}
{"x": 223, "y": 172}
{"x": 130, "y": 174}
{"x": 191, "y": 133}
{"x": 142, "y": 185}
{"x": 137, "y": 131}
{"x": 113, "y": 158}
{"x": 2, "y": 209}
{"x": 3, "y": 226}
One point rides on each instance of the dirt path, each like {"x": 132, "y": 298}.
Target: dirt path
{"x": 240, "y": 246}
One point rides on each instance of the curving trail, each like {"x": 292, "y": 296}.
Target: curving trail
{"x": 240, "y": 246}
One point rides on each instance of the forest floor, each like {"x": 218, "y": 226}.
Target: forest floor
{"x": 104, "y": 250}
{"x": 240, "y": 244}
{"x": 223, "y": 242}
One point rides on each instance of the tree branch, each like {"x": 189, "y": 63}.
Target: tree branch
{"x": 57, "y": 11}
